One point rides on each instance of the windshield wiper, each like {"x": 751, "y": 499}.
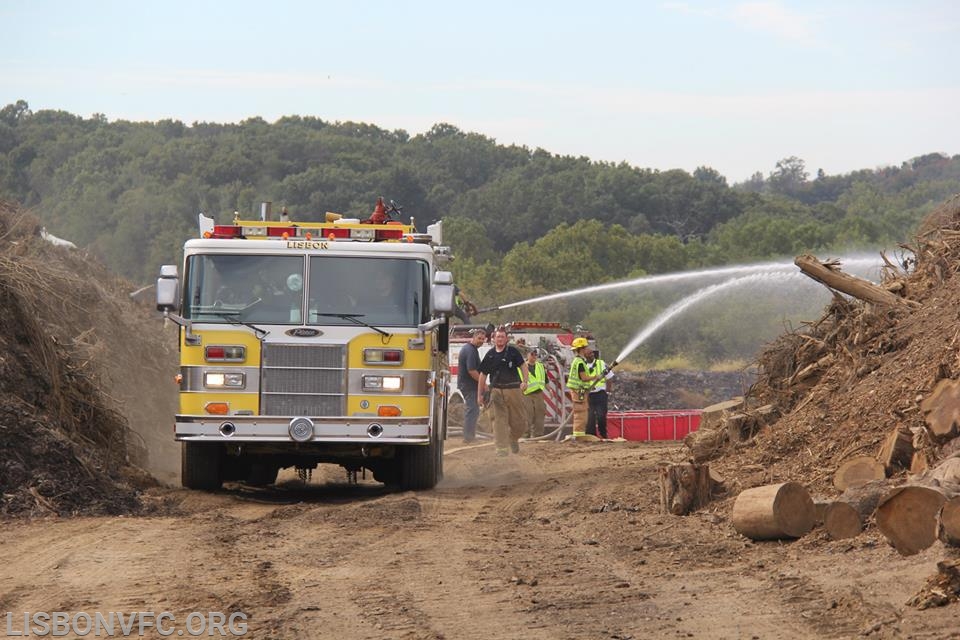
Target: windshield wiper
{"x": 230, "y": 316}
{"x": 354, "y": 318}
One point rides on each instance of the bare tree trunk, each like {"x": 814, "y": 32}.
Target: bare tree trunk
{"x": 851, "y": 285}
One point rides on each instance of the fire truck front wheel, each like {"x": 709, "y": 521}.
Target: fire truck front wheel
{"x": 200, "y": 466}
{"x": 418, "y": 467}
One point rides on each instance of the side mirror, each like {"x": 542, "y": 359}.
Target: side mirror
{"x": 441, "y": 295}
{"x": 168, "y": 288}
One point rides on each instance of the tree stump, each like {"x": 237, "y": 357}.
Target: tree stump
{"x": 907, "y": 517}
{"x": 948, "y": 522}
{"x": 858, "y": 470}
{"x": 684, "y": 488}
{"x": 773, "y": 512}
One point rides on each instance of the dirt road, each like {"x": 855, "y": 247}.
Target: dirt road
{"x": 561, "y": 541}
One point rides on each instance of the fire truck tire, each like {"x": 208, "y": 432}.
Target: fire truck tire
{"x": 418, "y": 467}
{"x": 200, "y": 466}
{"x": 386, "y": 472}
{"x": 262, "y": 473}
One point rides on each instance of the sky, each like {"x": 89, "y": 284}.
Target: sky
{"x": 734, "y": 86}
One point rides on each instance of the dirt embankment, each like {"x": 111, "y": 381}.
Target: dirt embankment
{"x": 80, "y": 369}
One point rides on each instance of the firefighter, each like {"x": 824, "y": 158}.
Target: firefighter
{"x": 467, "y": 378}
{"x": 506, "y": 371}
{"x": 578, "y": 384}
{"x": 533, "y": 394}
{"x": 597, "y": 401}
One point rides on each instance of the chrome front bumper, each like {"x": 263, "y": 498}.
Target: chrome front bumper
{"x": 357, "y": 430}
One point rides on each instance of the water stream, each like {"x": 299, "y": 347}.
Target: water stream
{"x": 851, "y": 264}
{"x": 733, "y": 276}
{"x": 682, "y": 305}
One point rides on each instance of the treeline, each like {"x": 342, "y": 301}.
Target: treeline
{"x": 522, "y": 221}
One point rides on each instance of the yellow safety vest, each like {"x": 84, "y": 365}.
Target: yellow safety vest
{"x": 573, "y": 379}
{"x": 596, "y": 369}
{"x": 537, "y": 380}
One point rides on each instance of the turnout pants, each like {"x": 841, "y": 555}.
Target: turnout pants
{"x": 536, "y": 413}
{"x": 579, "y": 416}
{"x": 509, "y": 416}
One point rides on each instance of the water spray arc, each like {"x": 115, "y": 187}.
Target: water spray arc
{"x": 670, "y": 278}
{"x": 683, "y": 304}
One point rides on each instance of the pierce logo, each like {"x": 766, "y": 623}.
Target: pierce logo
{"x": 304, "y": 332}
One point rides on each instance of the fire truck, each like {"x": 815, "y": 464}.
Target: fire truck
{"x": 309, "y": 343}
{"x": 552, "y": 339}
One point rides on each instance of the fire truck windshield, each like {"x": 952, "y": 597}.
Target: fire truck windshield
{"x": 381, "y": 291}
{"x": 269, "y": 289}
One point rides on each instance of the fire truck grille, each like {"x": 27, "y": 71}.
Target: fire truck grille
{"x": 300, "y": 380}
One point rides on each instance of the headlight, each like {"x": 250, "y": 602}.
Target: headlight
{"x": 382, "y": 383}
{"x": 222, "y": 380}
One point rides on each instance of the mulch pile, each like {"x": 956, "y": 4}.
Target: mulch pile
{"x": 841, "y": 384}
{"x": 65, "y": 444}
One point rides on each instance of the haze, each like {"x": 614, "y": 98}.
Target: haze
{"x": 735, "y": 86}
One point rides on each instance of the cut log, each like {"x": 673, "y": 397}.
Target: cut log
{"x": 684, "y": 488}
{"x": 907, "y": 517}
{"x": 820, "y": 511}
{"x": 713, "y": 415}
{"x": 718, "y": 483}
{"x": 705, "y": 444}
{"x": 941, "y": 409}
{"x": 865, "y": 497}
{"x": 842, "y": 521}
{"x": 948, "y": 522}
{"x": 850, "y": 285}
{"x": 846, "y": 517}
{"x": 897, "y": 450}
{"x": 858, "y": 470}
{"x": 773, "y": 512}
{"x": 738, "y": 426}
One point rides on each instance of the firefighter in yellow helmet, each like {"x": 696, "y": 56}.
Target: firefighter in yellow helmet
{"x": 578, "y": 384}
